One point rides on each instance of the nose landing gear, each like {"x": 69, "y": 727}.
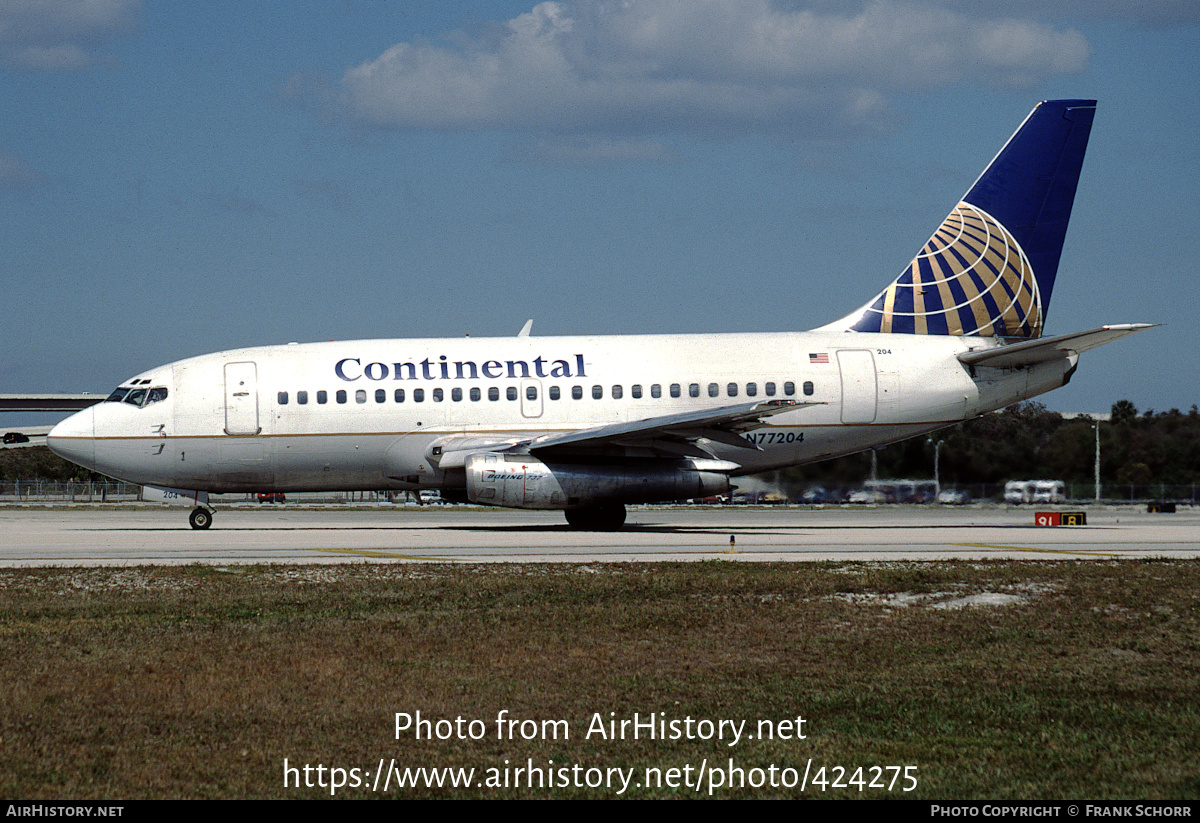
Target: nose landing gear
{"x": 200, "y": 518}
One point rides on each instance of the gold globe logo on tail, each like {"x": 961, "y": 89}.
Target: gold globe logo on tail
{"x": 971, "y": 278}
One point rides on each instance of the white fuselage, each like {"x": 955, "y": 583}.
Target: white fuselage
{"x": 370, "y": 414}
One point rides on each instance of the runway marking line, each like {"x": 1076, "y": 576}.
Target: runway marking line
{"x": 1043, "y": 551}
{"x": 391, "y": 555}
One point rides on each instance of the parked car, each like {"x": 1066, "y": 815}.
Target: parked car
{"x": 817, "y": 494}
{"x": 271, "y": 497}
{"x": 866, "y": 496}
{"x": 15, "y": 437}
{"x": 953, "y": 497}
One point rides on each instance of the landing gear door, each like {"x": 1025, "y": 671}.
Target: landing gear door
{"x": 241, "y": 399}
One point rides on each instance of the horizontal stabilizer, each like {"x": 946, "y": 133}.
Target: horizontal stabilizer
{"x": 1045, "y": 349}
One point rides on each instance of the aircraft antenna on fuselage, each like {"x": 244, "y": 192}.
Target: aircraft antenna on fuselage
{"x": 524, "y": 332}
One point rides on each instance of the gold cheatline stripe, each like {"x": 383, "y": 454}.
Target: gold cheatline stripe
{"x": 158, "y": 438}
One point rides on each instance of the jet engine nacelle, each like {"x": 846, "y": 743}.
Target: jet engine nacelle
{"x": 522, "y": 481}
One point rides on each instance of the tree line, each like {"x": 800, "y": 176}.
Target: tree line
{"x": 1026, "y": 441}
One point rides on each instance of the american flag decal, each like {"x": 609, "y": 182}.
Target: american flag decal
{"x": 822, "y": 357}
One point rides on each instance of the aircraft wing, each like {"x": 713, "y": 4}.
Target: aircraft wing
{"x": 673, "y": 434}
{"x": 1045, "y": 349}
{"x": 722, "y": 425}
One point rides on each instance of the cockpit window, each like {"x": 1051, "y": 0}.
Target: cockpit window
{"x": 138, "y": 397}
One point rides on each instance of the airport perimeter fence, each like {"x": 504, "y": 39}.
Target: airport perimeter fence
{"x": 113, "y": 491}
{"x": 49, "y": 492}
{"x": 1186, "y": 493}
{"x": 922, "y": 491}
{"x": 46, "y": 491}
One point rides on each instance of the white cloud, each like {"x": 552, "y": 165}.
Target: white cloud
{"x": 61, "y": 34}
{"x": 1148, "y": 13}
{"x": 592, "y": 150}
{"x": 645, "y": 67}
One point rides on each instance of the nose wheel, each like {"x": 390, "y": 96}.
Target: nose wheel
{"x": 200, "y": 518}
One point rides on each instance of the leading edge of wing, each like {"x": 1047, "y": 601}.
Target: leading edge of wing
{"x": 1045, "y": 349}
{"x": 721, "y": 425}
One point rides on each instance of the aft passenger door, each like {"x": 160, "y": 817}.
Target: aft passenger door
{"x": 858, "y": 385}
{"x": 241, "y": 398}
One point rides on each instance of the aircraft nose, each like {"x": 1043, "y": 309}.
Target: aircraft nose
{"x": 75, "y": 438}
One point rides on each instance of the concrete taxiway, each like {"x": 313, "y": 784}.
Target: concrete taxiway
{"x": 107, "y": 535}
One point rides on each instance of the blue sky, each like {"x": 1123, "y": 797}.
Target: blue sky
{"x": 180, "y": 178}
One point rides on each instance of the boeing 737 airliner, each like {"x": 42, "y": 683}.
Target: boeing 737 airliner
{"x": 589, "y": 424}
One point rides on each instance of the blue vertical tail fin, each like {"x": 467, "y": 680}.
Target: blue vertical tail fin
{"x": 990, "y": 267}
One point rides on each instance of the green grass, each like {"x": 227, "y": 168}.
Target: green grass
{"x": 160, "y": 682}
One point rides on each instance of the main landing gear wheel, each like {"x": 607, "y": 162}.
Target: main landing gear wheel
{"x": 597, "y": 519}
{"x": 200, "y": 518}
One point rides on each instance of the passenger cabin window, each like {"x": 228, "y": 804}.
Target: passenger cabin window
{"x": 341, "y": 395}
{"x": 808, "y": 388}
{"x": 675, "y": 392}
{"x": 282, "y": 398}
{"x": 476, "y": 395}
{"x": 751, "y": 389}
{"x": 769, "y": 388}
{"x": 322, "y": 396}
{"x": 302, "y": 398}
{"x": 577, "y": 392}
{"x": 493, "y": 393}
{"x": 597, "y": 392}
{"x": 437, "y": 395}
{"x": 554, "y": 393}
{"x": 693, "y": 390}
{"x": 360, "y": 396}
{"x": 398, "y": 396}
{"x": 636, "y": 391}
{"x": 531, "y": 392}
{"x": 617, "y": 392}
{"x": 381, "y": 395}
{"x": 511, "y": 392}
{"x": 418, "y": 395}
{"x": 655, "y": 390}
{"x": 456, "y": 395}
{"x": 789, "y": 388}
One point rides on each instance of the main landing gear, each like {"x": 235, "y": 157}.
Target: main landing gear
{"x": 200, "y": 518}
{"x": 597, "y": 518}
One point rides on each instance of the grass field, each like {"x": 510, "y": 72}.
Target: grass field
{"x": 1057, "y": 680}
